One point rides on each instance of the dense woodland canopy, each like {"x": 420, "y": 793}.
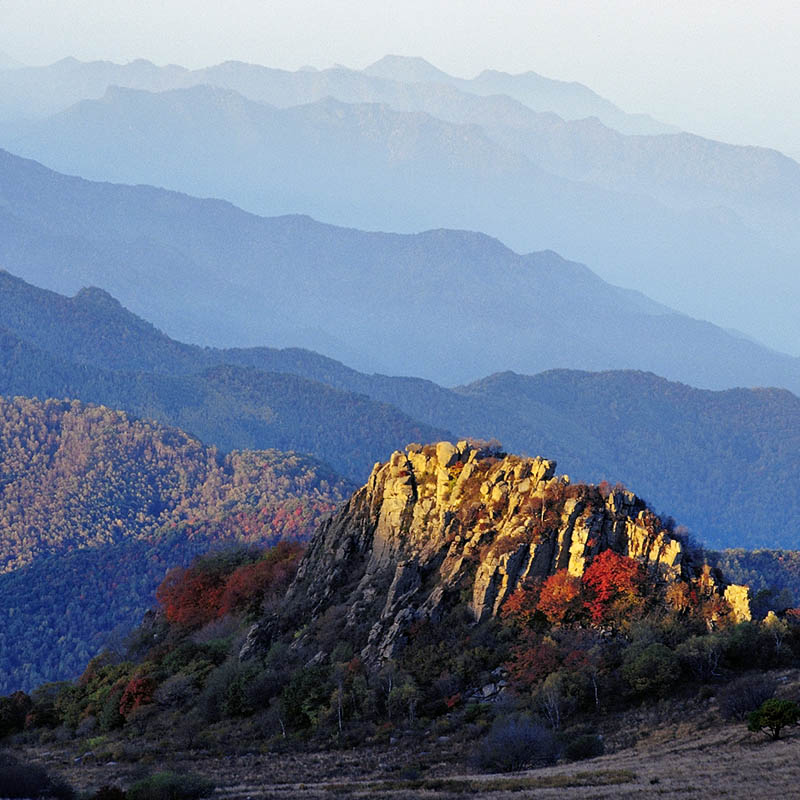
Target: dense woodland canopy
{"x": 80, "y": 476}
{"x": 95, "y": 507}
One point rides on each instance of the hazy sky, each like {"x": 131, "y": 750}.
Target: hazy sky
{"x": 723, "y": 68}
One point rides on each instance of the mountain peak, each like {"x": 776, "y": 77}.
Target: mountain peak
{"x": 98, "y": 298}
{"x": 444, "y": 524}
{"x": 409, "y": 69}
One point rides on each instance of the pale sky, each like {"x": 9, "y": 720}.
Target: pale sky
{"x": 728, "y": 69}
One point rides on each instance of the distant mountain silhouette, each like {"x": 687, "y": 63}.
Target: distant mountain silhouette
{"x": 570, "y": 100}
{"x": 371, "y": 167}
{"x": 462, "y": 305}
{"x": 683, "y": 170}
{"x": 38, "y": 91}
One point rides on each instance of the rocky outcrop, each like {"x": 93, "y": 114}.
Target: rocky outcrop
{"x": 446, "y": 523}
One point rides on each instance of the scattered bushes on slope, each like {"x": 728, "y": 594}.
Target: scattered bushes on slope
{"x": 170, "y": 786}
{"x": 514, "y": 744}
{"x": 23, "y": 780}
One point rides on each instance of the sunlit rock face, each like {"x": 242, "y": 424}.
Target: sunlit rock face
{"x": 465, "y": 523}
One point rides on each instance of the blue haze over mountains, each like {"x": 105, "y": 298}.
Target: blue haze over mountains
{"x": 402, "y": 145}
{"x": 709, "y": 229}
{"x": 452, "y": 306}
{"x": 542, "y": 267}
{"x": 711, "y": 459}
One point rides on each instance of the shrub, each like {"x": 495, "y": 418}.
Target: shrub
{"x": 233, "y": 581}
{"x": 29, "y": 780}
{"x": 773, "y": 716}
{"x": 304, "y": 697}
{"x": 13, "y": 710}
{"x": 653, "y": 671}
{"x": 175, "y": 691}
{"x": 513, "y": 744}
{"x": 587, "y": 745}
{"x": 107, "y": 792}
{"x": 137, "y": 693}
{"x": 744, "y": 695}
{"x": 213, "y": 700}
{"x": 170, "y": 786}
{"x": 748, "y": 646}
{"x": 701, "y": 656}
{"x": 110, "y": 717}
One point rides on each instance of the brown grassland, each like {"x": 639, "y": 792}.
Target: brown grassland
{"x": 681, "y": 749}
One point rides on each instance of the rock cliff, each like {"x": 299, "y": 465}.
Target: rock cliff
{"x": 442, "y": 524}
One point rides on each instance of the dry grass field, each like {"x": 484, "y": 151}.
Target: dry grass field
{"x": 658, "y": 752}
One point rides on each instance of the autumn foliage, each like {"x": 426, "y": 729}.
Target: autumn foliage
{"x": 610, "y": 592}
{"x": 560, "y": 598}
{"x": 532, "y": 660}
{"x": 225, "y": 584}
{"x": 615, "y": 587}
{"x": 138, "y": 692}
{"x": 521, "y": 606}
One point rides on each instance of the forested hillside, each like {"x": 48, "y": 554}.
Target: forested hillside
{"x": 63, "y": 609}
{"x": 78, "y": 476}
{"x": 95, "y": 507}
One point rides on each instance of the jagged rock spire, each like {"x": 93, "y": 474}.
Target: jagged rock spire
{"x": 440, "y": 523}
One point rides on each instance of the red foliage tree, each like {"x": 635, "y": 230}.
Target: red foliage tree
{"x": 252, "y": 584}
{"x": 218, "y": 585}
{"x": 616, "y": 588}
{"x": 560, "y": 598}
{"x": 190, "y": 596}
{"x": 520, "y": 607}
{"x": 138, "y": 692}
{"x": 532, "y": 660}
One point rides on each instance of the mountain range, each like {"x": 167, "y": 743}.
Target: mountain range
{"x": 395, "y": 155}
{"x": 196, "y": 375}
{"x": 463, "y": 305}
{"x": 739, "y": 446}
{"x": 679, "y": 170}
{"x": 40, "y": 91}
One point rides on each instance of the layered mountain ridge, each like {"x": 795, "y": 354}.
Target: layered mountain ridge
{"x": 398, "y": 154}
{"x": 49, "y": 89}
{"x": 371, "y": 167}
{"x": 192, "y": 267}
{"x": 740, "y": 445}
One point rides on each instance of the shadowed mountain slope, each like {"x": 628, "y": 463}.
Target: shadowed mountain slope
{"x": 711, "y": 459}
{"x": 204, "y": 271}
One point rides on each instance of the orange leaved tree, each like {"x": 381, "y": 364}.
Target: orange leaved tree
{"x": 615, "y": 586}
